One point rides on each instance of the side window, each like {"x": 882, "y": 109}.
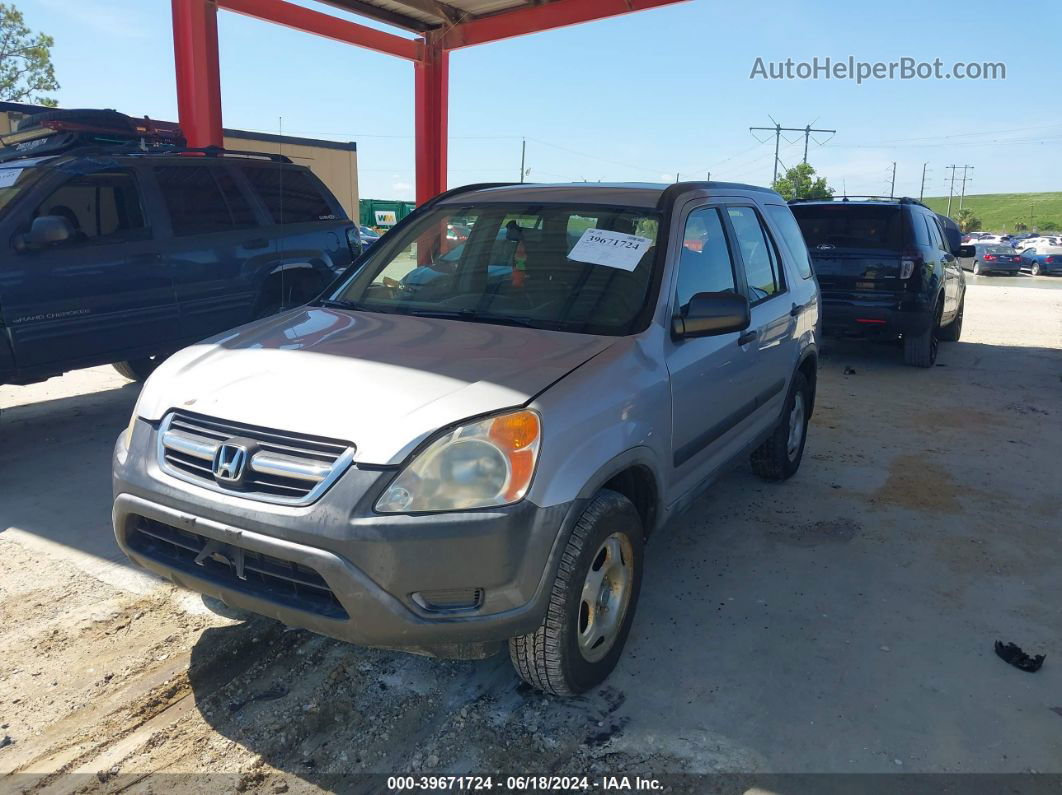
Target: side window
{"x": 200, "y": 201}
{"x": 792, "y": 237}
{"x": 100, "y": 206}
{"x": 921, "y": 232}
{"x": 705, "y": 264}
{"x": 291, "y": 196}
{"x": 761, "y": 261}
{"x": 935, "y": 239}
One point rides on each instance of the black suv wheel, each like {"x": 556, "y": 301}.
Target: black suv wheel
{"x": 920, "y": 350}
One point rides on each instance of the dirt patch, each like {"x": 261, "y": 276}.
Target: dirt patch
{"x": 917, "y": 482}
{"x": 824, "y": 531}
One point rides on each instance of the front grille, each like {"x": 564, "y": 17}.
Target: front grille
{"x": 283, "y": 468}
{"x": 282, "y": 581}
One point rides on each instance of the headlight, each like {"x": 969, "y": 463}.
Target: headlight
{"x": 122, "y": 450}
{"x": 479, "y": 465}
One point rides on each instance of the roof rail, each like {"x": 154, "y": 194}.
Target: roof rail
{"x": 138, "y": 149}
{"x": 871, "y": 197}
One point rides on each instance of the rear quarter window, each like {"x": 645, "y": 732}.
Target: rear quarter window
{"x": 292, "y": 196}
{"x": 792, "y": 237}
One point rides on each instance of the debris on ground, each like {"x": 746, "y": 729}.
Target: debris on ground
{"x": 1012, "y": 653}
{"x": 849, "y": 370}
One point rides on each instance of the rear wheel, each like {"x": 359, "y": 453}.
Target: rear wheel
{"x": 920, "y": 350}
{"x": 1035, "y": 270}
{"x": 779, "y": 457}
{"x": 952, "y": 331}
{"x": 592, "y": 603}
{"x": 138, "y": 369}
{"x": 977, "y": 268}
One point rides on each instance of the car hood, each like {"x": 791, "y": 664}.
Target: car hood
{"x": 381, "y": 381}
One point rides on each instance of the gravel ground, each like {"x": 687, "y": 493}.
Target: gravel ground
{"x": 840, "y": 622}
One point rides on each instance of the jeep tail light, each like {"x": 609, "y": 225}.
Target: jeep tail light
{"x": 907, "y": 267}
{"x": 354, "y": 242}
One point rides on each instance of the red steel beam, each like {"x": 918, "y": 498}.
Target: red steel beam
{"x": 195, "y": 56}
{"x": 532, "y": 19}
{"x": 431, "y": 79}
{"x": 310, "y": 21}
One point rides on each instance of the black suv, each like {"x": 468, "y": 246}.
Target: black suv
{"x": 121, "y": 248}
{"x": 886, "y": 268}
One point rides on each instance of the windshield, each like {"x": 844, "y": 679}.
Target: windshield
{"x": 15, "y": 181}
{"x": 571, "y": 268}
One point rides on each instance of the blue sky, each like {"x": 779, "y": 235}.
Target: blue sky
{"x": 637, "y": 97}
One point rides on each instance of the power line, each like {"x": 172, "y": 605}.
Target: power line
{"x": 777, "y": 129}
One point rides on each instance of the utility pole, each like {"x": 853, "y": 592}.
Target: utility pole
{"x": 892, "y": 185}
{"x": 963, "y": 194}
{"x": 922, "y": 190}
{"x": 777, "y": 129}
{"x": 523, "y": 157}
{"x": 951, "y": 187}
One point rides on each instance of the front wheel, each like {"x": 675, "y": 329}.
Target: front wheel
{"x": 952, "y": 331}
{"x": 779, "y": 457}
{"x": 138, "y": 369}
{"x": 592, "y": 603}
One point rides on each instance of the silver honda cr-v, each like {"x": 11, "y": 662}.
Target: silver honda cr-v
{"x": 468, "y": 439}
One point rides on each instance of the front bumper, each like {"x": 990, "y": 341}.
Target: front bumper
{"x": 452, "y": 585}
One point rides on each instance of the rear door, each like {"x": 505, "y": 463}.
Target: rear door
{"x": 213, "y": 236}
{"x": 944, "y": 261}
{"x": 101, "y": 294}
{"x": 856, "y": 248}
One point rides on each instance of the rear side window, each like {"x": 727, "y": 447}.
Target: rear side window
{"x": 935, "y": 240}
{"x": 202, "y": 200}
{"x": 850, "y": 225}
{"x": 921, "y": 234}
{"x": 103, "y": 205}
{"x": 291, "y": 196}
{"x": 759, "y": 256}
{"x": 704, "y": 264}
{"x": 792, "y": 237}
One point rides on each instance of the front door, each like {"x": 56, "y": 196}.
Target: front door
{"x": 709, "y": 375}
{"x": 97, "y": 296}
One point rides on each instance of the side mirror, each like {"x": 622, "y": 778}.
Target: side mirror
{"x": 966, "y": 251}
{"x": 44, "y": 231}
{"x": 709, "y": 314}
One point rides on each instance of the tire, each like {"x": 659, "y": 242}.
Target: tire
{"x": 977, "y": 268}
{"x": 1035, "y": 269}
{"x": 952, "y": 331}
{"x": 560, "y": 656}
{"x": 779, "y": 457}
{"x": 920, "y": 350}
{"x": 138, "y": 369}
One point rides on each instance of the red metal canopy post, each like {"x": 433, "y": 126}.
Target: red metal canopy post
{"x": 195, "y": 55}
{"x": 431, "y": 98}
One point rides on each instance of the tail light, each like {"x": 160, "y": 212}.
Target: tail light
{"x": 908, "y": 260}
{"x": 989, "y": 257}
{"x": 1050, "y": 260}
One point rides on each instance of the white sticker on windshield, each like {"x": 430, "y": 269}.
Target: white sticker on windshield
{"x": 8, "y": 176}
{"x": 611, "y": 249}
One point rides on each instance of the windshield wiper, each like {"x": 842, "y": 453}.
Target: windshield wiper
{"x": 472, "y": 316}
{"x": 331, "y": 303}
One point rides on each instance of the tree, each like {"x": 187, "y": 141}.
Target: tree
{"x": 968, "y": 222}
{"x": 25, "y": 60}
{"x": 799, "y": 182}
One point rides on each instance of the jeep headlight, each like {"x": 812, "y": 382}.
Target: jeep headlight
{"x": 483, "y": 464}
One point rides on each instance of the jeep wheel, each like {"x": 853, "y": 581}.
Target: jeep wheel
{"x": 952, "y": 331}
{"x": 592, "y": 603}
{"x": 779, "y": 457}
{"x": 138, "y": 369}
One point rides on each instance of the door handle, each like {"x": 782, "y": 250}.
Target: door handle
{"x": 258, "y": 242}
{"x": 748, "y": 337}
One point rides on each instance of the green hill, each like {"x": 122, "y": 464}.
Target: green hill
{"x": 1000, "y": 212}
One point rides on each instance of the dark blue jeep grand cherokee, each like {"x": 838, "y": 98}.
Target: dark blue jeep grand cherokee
{"x": 114, "y": 254}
